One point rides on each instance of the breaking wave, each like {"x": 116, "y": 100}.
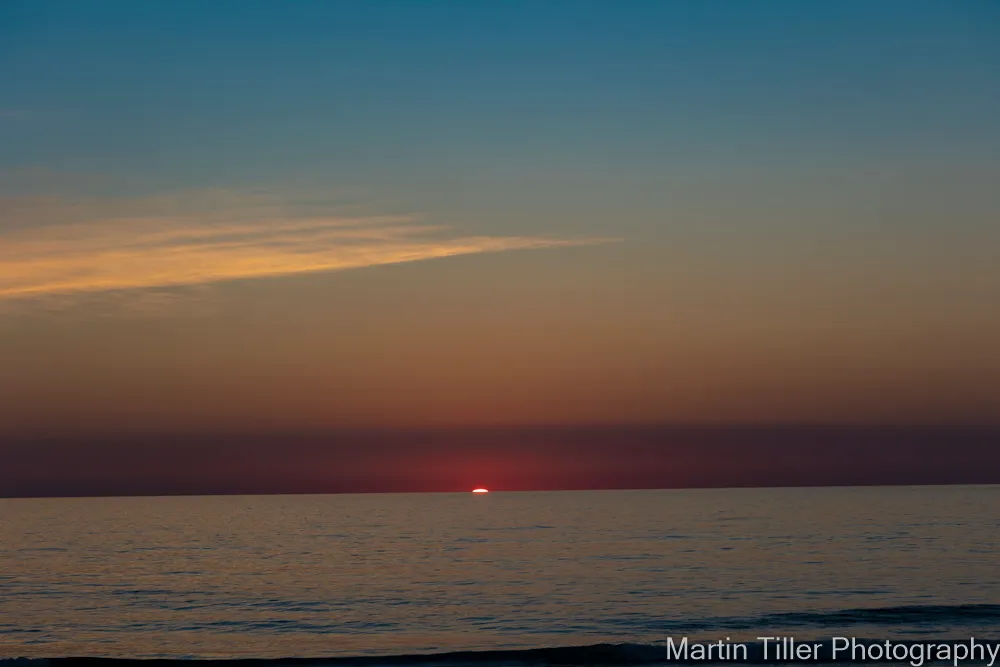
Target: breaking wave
{"x": 985, "y": 616}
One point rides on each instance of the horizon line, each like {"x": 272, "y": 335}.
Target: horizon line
{"x": 494, "y": 491}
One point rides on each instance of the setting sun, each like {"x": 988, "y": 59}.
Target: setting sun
{"x": 480, "y": 490}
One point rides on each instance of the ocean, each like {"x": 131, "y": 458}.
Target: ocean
{"x": 564, "y": 577}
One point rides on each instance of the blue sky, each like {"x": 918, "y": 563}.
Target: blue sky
{"x": 385, "y": 91}
{"x": 751, "y": 211}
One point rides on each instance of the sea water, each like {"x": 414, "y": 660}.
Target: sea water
{"x": 406, "y": 574}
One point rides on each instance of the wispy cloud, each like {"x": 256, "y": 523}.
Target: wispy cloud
{"x": 57, "y": 246}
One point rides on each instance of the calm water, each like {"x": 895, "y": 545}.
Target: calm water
{"x": 345, "y": 575}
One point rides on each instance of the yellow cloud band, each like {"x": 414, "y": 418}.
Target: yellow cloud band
{"x": 133, "y": 248}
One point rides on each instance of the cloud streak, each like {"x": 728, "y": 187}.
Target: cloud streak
{"x": 51, "y": 246}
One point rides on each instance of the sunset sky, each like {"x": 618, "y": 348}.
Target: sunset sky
{"x": 547, "y": 230}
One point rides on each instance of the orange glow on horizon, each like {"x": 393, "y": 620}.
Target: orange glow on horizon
{"x": 480, "y": 490}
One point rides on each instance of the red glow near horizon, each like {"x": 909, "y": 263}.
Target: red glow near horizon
{"x": 480, "y": 490}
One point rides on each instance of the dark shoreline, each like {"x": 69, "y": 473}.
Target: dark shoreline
{"x": 590, "y": 655}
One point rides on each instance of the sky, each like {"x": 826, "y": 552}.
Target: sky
{"x": 270, "y": 232}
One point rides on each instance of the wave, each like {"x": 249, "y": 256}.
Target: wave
{"x": 594, "y": 655}
{"x": 909, "y": 616}
{"x": 936, "y": 617}
{"x": 903, "y": 615}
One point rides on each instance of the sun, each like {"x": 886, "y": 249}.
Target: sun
{"x": 480, "y": 490}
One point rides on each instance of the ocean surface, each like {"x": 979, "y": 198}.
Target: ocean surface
{"x": 399, "y": 575}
